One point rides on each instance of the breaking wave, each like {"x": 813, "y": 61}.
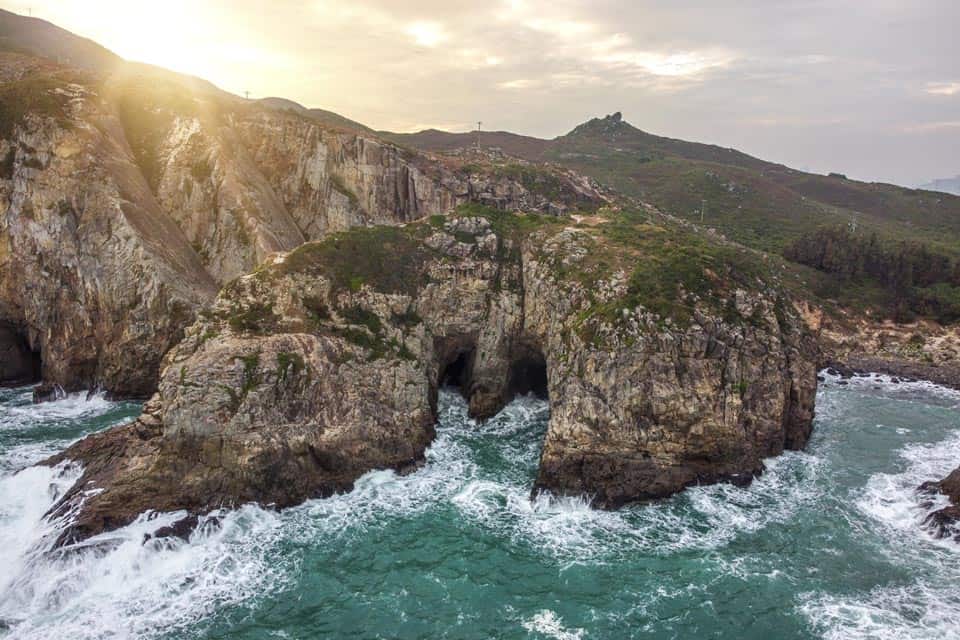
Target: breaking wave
{"x": 476, "y": 485}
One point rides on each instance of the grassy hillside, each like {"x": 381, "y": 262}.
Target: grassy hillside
{"x": 769, "y": 207}
{"x": 759, "y": 203}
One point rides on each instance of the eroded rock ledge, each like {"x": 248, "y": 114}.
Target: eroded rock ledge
{"x": 945, "y": 522}
{"x": 668, "y": 361}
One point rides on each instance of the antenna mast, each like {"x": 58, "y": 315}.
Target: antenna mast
{"x": 479, "y": 124}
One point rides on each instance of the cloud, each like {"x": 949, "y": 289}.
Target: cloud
{"x": 932, "y": 127}
{"x": 780, "y": 79}
{"x": 518, "y": 84}
{"x": 943, "y": 88}
{"x": 427, "y": 33}
{"x": 689, "y": 63}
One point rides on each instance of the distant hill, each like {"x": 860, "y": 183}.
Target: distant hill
{"x": 37, "y": 37}
{"x": 328, "y": 118}
{"x": 944, "y": 185}
{"x": 762, "y": 204}
{"x": 435, "y": 140}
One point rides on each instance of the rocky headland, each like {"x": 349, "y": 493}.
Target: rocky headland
{"x": 667, "y": 360}
{"x": 292, "y": 288}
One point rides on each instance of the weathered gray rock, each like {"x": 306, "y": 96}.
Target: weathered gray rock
{"x": 325, "y": 363}
{"x": 126, "y": 200}
{"x": 945, "y": 522}
{"x": 92, "y": 273}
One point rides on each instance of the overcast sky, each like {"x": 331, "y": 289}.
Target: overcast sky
{"x": 870, "y": 88}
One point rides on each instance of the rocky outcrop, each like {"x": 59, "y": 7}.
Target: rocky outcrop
{"x": 93, "y": 275}
{"x": 127, "y": 200}
{"x": 945, "y": 522}
{"x": 921, "y": 350}
{"x": 325, "y": 363}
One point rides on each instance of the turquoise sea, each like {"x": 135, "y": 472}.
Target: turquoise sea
{"x": 827, "y": 544}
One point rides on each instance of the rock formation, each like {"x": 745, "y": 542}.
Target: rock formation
{"x": 945, "y": 522}
{"x": 127, "y": 199}
{"x": 93, "y": 275}
{"x": 667, "y": 360}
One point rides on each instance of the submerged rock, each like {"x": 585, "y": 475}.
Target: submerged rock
{"x": 945, "y": 522}
{"x": 325, "y": 364}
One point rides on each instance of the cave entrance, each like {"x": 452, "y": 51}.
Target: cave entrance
{"x": 528, "y": 374}
{"x": 19, "y": 364}
{"x": 456, "y": 372}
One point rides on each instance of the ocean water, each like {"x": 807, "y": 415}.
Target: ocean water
{"x": 827, "y": 544}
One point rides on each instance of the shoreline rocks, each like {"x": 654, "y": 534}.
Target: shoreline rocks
{"x": 945, "y": 522}
{"x": 325, "y": 363}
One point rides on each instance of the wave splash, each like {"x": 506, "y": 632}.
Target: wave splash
{"x": 117, "y": 585}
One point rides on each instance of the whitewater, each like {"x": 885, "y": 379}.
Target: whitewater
{"x": 828, "y": 543}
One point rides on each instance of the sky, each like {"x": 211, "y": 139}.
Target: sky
{"x": 869, "y": 88}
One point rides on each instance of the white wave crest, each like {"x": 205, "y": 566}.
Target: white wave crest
{"x": 549, "y": 624}
{"x": 115, "y": 585}
{"x": 892, "y": 498}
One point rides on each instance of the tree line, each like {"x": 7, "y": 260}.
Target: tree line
{"x": 918, "y": 279}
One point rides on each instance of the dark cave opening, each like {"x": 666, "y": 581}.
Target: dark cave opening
{"x": 19, "y": 364}
{"x": 528, "y": 374}
{"x": 456, "y": 372}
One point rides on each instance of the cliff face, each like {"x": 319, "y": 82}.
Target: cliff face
{"x": 95, "y": 277}
{"x": 325, "y": 364}
{"x": 128, "y": 199}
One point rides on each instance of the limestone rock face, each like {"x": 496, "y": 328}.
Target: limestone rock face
{"x": 325, "y": 363}
{"x": 654, "y": 410}
{"x": 93, "y": 275}
{"x": 126, "y": 200}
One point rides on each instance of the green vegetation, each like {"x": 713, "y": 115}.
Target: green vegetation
{"x": 670, "y": 271}
{"x": 257, "y": 318}
{"x": 37, "y": 94}
{"x": 251, "y": 373}
{"x": 317, "y": 311}
{"x": 339, "y": 185}
{"x": 289, "y": 365}
{"x": 773, "y": 208}
{"x": 509, "y": 225}
{"x": 359, "y": 315}
{"x": 250, "y": 380}
{"x": 903, "y": 278}
{"x": 535, "y": 179}
{"x": 408, "y": 319}
{"x": 389, "y": 259}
